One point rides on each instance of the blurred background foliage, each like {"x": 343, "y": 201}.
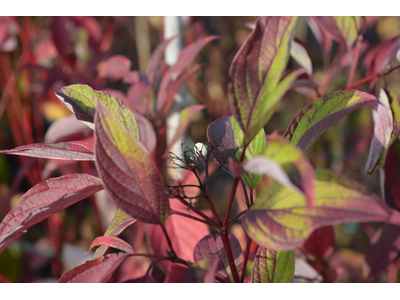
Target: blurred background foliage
{"x": 39, "y": 55}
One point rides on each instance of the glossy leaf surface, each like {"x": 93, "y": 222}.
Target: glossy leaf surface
{"x": 258, "y": 67}
{"x": 128, "y": 172}
{"x": 44, "y": 200}
{"x": 316, "y": 117}
{"x": 76, "y": 150}
{"x": 300, "y": 55}
{"x": 273, "y": 266}
{"x": 112, "y": 241}
{"x": 280, "y": 219}
{"x": 94, "y": 271}
{"x": 82, "y": 101}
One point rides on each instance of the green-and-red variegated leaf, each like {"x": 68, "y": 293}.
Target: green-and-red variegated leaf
{"x": 278, "y": 159}
{"x": 76, "y": 150}
{"x": 185, "y": 117}
{"x": 82, "y": 101}
{"x": 280, "y": 219}
{"x": 127, "y": 171}
{"x": 383, "y": 128}
{"x": 118, "y": 224}
{"x": 316, "y": 117}
{"x": 258, "y": 67}
{"x": 112, "y": 241}
{"x": 98, "y": 270}
{"x": 44, "y": 200}
{"x": 273, "y": 266}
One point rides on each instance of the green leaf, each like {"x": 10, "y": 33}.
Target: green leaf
{"x": 280, "y": 219}
{"x": 316, "y": 117}
{"x": 82, "y": 100}
{"x": 273, "y": 266}
{"x": 349, "y": 26}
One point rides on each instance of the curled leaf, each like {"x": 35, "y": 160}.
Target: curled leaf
{"x": 112, "y": 241}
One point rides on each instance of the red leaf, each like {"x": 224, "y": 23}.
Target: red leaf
{"x": 116, "y": 67}
{"x": 113, "y": 242}
{"x": 60, "y": 34}
{"x": 77, "y": 150}
{"x": 67, "y": 129}
{"x": 92, "y": 26}
{"x": 139, "y": 96}
{"x": 321, "y": 242}
{"x": 384, "y": 248}
{"x": 94, "y": 271}
{"x": 146, "y": 132}
{"x": 44, "y": 200}
{"x": 128, "y": 172}
{"x": 183, "y": 232}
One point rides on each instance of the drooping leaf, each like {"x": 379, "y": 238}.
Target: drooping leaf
{"x": 118, "y": 224}
{"x": 280, "y": 219}
{"x": 258, "y": 67}
{"x": 212, "y": 248}
{"x": 316, "y": 117}
{"x": 279, "y": 158}
{"x": 300, "y": 55}
{"x": 82, "y": 101}
{"x": 321, "y": 242}
{"x": 112, "y": 241}
{"x": 76, "y": 150}
{"x": 128, "y": 172}
{"x": 94, "y": 271}
{"x": 185, "y": 117}
{"x": 226, "y": 139}
{"x": 183, "y": 232}
{"x": 116, "y": 67}
{"x": 384, "y": 248}
{"x": 273, "y": 266}
{"x": 44, "y": 200}
{"x": 383, "y": 128}
{"x": 67, "y": 129}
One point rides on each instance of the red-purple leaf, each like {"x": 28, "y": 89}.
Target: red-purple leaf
{"x": 92, "y": 27}
{"x": 211, "y": 248}
{"x": 185, "y": 117}
{"x": 128, "y": 172}
{"x": 383, "y": 127}
{"x": 76, "y": 150}
{"x": 316, "y": 117}
{"x": 392, "y": 175}
{"x": 258, "y": 67}
{"x": 321, "y": 242}
{"x": 183, "y": 232}
{"x": 378, "y": 57}
{"x": 146, "y": 132}
{"x": 60, "y": 34}
{"x": 112, "y": 241}
{"x": 139, "y": 96}
{"x": 67, "y": 129}
{"x": 116, "y": 67}
{"x": 118, "y": 224}
{"x": 94, "y": 271}
{"x": 44, "y": 200}
{"x": 321, "y": 34}
{"x": 280, "y": 219}
{"x": 273, "y": 266}
{"x": 384, "y": 248}
{"x": 155, "y": 59}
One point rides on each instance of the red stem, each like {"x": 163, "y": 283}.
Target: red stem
{"x": 246, "y": 258}
{"x": 229, "y": 255}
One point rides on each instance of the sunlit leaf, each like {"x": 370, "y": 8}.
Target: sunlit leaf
{"x": 76, "y": 150}
{"x": 112, "y": 241}
{"x": 67, "y": 129}
{"x": 44, "y": 200}
{"x": 82, "y": 101}
{"x": 273, "y": 266}
{"x": 300, "y": 55}
{"x": 316, "y": 117}
{"x": 280, "y": 219}
{"x": 116, "y": 67}
{"x": 128, "y": 173}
